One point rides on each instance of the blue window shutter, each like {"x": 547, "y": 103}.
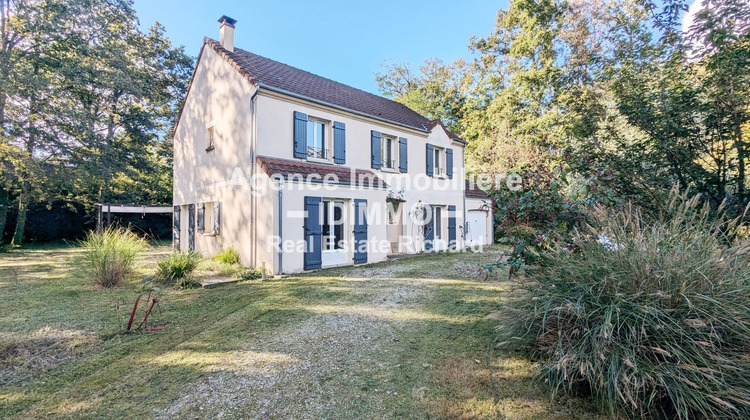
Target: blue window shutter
{"x": 300, "y": 135}
{"x": 313, "y": 234}
{"x": 339, "y": 142}
{"x": 375, "y": 149}
{"x": 403, "y": 163}
{"x": 449, "y": 162}
{"x": 360, "y": 231}
{"x": 429, "y": 229}
{"x": 191, "y": 226}
{"x": 430, "y": 159}
{"x": 452, "y": 227}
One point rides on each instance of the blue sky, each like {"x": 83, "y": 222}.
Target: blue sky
{"x": 344, "y": 41}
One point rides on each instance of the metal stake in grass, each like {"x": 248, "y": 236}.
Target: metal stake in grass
{"x": 151, "y": 301}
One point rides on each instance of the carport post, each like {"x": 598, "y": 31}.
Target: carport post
{"x": 98, "y": 218}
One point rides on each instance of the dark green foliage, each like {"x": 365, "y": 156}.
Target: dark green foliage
{"x": 228, "y": 256}
{"x": 87, "y": 102}
{"x": 652, "y": 316}
{"x": 249, "y": 274}
{"x": 543, "y": 213}
{"x": 177, "y": 267}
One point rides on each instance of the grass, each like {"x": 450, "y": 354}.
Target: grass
{"x": 426, "y": 345}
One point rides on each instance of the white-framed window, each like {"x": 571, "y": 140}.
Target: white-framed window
{"x": 318, "y": 146}
{"x": 388, "y": 146}
{"x": 208, "y": 219}
{"x": 438, "y": 159}
{"x": 200, "y": 217}
{"x": 211, "y": 138}
{"x": 333, "y": 225}
{"x": 438, "y": 221}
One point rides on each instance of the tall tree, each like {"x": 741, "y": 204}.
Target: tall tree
{"x": 438, "y": 91}
{"x": 89, "y": 98}
{"x": 720, "y": 44}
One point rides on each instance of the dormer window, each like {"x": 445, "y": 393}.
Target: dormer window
{"x": 439, "y": 167}
{"x": 317, "y": 141}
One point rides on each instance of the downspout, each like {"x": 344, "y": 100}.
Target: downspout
{"x": 253, "y": 198}
{"x": 281, "y": 232}
{"x": 463, "y": 187}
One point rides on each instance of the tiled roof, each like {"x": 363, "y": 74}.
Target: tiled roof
{"x": 315, "y": 172}
{"x": 474, "y": 192}
{"x": 279, "y": 76}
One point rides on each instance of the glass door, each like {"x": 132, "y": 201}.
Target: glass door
{"x": 334, "y": 233}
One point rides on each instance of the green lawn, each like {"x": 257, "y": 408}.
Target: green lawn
{"x": 401, "y": 339}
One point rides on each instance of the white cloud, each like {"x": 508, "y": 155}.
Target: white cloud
{"x": 689, "y": 18}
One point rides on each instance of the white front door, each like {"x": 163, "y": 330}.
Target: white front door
{"x": 334, "y": 233}
{"x": 477, "y": 234}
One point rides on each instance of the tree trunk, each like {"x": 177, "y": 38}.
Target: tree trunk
{"x": 3, "y": 209}
{"x": 23, "y": 202}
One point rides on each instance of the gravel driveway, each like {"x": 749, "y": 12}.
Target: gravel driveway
{"x": 337, "y": 363}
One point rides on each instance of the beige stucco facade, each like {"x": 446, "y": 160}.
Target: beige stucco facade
{"x": 259, "y": 215}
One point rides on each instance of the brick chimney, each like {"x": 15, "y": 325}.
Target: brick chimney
{"x": 226, "y": 32}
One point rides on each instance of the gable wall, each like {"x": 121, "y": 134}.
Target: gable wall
{"x": 218, "y": 96}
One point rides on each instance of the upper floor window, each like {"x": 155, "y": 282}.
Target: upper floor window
{"x": 319, "y": 139}
{"x": 388, "y": 153}
{"x": 211, "y": 136}
{"x": 317, "y": 143}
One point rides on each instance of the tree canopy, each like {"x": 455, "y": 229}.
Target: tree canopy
{"x": 610, "y": 87}
{"x": 87, "y": 101}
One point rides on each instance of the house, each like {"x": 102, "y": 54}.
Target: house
{"x": 298, "y": 172}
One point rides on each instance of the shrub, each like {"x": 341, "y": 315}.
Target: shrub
{"x": 177, "y": 267}
{"x": 249, "y": 274}
{"x": 542, "y": 213}
{"x": 228, "y": 256}
{"x": 111, "y": 254}
{"x": 651, "y": 316}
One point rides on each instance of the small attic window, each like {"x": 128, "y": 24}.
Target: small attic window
{"x": 211, "y": 136}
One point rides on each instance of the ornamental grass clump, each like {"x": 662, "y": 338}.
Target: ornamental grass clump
{"x": 177, "y": 268}
{"x": 228, "y": 256}
{"x": 649, "y": 316}
{"x": 111, "y": 254}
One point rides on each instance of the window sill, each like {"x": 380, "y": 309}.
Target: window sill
{"x": 389, "y": 170}
{"x": 317, "y": 160}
